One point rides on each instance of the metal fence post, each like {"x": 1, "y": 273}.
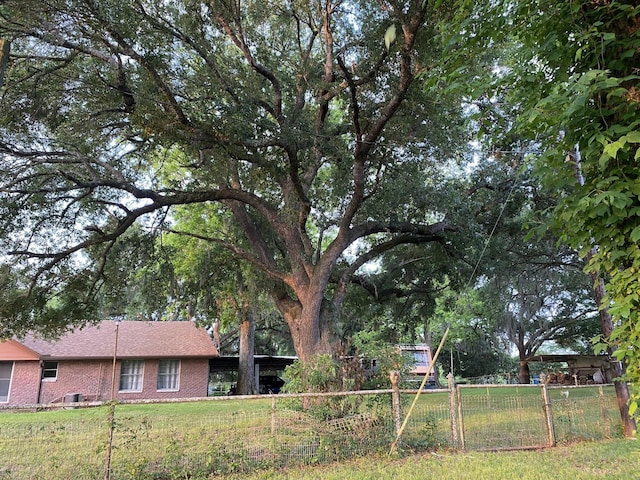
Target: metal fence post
{"x": 452, "y": 410}
{"x": 111, "y": 424}
{"x": 273, "y": 414}
{"x": 395, "y": 381}
{"x": 548, "y": 415}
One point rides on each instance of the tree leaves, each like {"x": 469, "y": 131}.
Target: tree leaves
{"x": 610, "y": 150}
{"x": 599, "y": 118}
{"x": 292, "y": 118}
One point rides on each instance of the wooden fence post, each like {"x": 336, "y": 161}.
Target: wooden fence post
{"x": 273, "y": 414}
{"x": 548, "y": 414}
{"x": 603, "y": 409}
{"x": 460, "y": 417}
{"x": 452, "y": 410}
{"x": 395, "y": 387}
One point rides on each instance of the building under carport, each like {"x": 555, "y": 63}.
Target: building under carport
{"x": 574, "y": 369}
{"x": 223, "y": 371}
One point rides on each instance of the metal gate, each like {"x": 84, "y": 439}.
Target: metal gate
{"x": 504, "y": 418}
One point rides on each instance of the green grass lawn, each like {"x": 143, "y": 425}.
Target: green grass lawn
{"x": 71, "y": 443}
{"x": 216, "y": 406}
{"x": 610, "y": 460}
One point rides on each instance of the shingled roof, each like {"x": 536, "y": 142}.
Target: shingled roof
{"x": 135, "y": 340}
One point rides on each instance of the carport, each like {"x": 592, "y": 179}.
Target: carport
{"x": 223, "y": 371}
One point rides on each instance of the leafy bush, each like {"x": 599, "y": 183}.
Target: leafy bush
{"x": 368, "y": 368}
{"x": 382, "y": 358}
{"x": 321, "y": 375}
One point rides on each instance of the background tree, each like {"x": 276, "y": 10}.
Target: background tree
{"x": 569, "y": 72}
{"x": 298, "y": 119}
{"x": 525, "y": 293}
{"x": 185, "y": 276}
{"x": 396, "y": 294}
{"x": 211, "y": 273}
{"x": 534, "y": 290}
{"x": 538, "y": 307}
{"x": 598, "y": 211}
{"x": 475, "y": 346}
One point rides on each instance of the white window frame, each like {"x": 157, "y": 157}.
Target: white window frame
{"x": 5, "y": 399}
{"x": 135, "y": 379}
{"x": 173, "y": 376}
{"x": 50, "y": 379}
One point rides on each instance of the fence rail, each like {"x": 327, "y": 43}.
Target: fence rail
{"x": 220, "y": 435}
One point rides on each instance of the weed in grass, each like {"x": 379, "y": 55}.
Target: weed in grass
{"x": 427, "y": 435}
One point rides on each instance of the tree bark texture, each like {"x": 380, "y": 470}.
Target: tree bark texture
{"x": 622, "y": 391}
{"x": 246, "y": 368}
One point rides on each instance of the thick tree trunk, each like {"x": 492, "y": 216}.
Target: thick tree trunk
{"x": 4, "y": 58}
{"x": 524, "y": 374}
{"x": 310, "y": 319}
{"x": 622, "y": 391}
{"x": 606, "y": 324}
{"x": 312, "y": 335}
{"x": 246, "y": 369}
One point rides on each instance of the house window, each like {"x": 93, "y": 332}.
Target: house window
{"x": 168, "y": 374}
{"x": 5, "y": 380}
{"x": 421, "y": 359}
{"x": 50, "y": 371}
{"x": 131, "y": 374}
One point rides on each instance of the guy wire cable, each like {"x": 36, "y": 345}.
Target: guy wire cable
{"x": 394, "y": 445}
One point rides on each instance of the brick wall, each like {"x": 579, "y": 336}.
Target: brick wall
{"x": 194, "y": 379}
{"x": 24, "y": 383}
{"x": 92, "y": 379}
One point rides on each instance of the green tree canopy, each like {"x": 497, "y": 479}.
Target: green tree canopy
{"x": 301, "y": 120}
{"x": 568, "y": 73}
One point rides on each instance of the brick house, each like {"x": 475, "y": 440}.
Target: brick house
{"x": 154, "y": 360}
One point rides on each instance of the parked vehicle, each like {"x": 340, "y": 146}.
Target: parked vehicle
{"x": 270, "y": 384}
{"x": 267, "y": 384}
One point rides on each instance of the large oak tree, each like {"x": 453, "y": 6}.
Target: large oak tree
{"x": 302, "y": 120}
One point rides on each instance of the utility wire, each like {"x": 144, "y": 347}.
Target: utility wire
{"x": 493, "y": 230}
{"x": 394, "y": 445}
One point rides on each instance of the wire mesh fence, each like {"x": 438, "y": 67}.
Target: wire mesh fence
{"x": 205, "y": 438}
{"x": 498, "y": 417}
{"x": 585, "y": 413}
